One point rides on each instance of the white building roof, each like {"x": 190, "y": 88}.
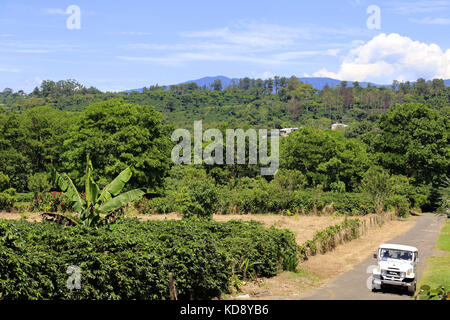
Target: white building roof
{"x": 397, "y": 247}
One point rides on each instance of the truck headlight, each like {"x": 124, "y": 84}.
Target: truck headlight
{"x": 402, "y": 274}
{"x": 409, "y": 272}
{"x": 383, "y": 272}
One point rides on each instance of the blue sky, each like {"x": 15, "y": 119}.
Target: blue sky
{"x": 130, "y": 44}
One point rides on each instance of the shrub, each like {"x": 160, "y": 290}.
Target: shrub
{"x": 7, "y": 198}
{"x": 290, "y": 179}
{"x": 426, "y": 293}
{"x": 4, "y": 181}
{"x": 25, "y": 197}
{"x": 51, "y": 202}
{"x": 399, "y": 203}
{"x": 201, "y": 199}
{"x": 337, "y": 186}
{"x": 133, "y": 261}
{"x": 39, "y": 182}
{"x": 326, "y": 240}
{"x": 154, "y": 205}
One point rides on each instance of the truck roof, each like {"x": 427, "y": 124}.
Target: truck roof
{"x": 397, "y": 247}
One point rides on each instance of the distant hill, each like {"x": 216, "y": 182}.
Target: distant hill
{"x": 207, "y": 81}
{"x": 316, "y": 82}
{"x": 319, "y": 83}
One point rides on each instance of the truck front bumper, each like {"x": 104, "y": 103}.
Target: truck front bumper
{"x": 379, "y": 282}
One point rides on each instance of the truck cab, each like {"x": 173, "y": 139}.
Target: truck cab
{"x": 397, "y": 266}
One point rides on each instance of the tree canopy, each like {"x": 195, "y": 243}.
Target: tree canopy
{"x": 117, "y": 134}
{"x": 414, "y": 141}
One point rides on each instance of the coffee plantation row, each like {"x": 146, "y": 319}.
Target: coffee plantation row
{"x": 133, "y": 259}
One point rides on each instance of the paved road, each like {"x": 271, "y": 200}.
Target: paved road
{"x": 352, "y": 284}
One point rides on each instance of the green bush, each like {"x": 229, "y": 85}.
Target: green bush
{"x": 399, "y": 203}
{"x": 154, "y": 205}
{"x": 290, "y": 179}
{"x": 253, "y": 195}
{"x": 25, "y": 197}
{"x": 39, "y": 182}
{"x": 133, "y": 261}
{"x": 201, "y": 199}
{"x": 4, "y": 181}
{"x": 7, "y": 198}
{"x": 51, "y": 202}
{"x": 326, "y": 240}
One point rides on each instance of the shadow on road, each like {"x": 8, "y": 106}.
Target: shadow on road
{"x": 400, "y": 291}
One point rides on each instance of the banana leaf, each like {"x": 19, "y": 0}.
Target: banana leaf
{"x": 66, "y": 185}
{"x": 92, "y": 190}
{"x": 114, "y": 188}
{"x": 121, "y": 200}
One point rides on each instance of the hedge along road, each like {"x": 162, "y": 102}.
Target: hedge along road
{"x": 352, "y": 284}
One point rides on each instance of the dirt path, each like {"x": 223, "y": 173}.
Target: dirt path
{"x": 351, "y": 285}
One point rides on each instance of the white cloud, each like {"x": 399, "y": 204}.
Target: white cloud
{"x": 8, "y": 69}
{"x": 25, "y": 50}
{"x": 270, "y": 36}
{"x": 55, "y": 11}
{"x": 249, "y": 42}
{"x": 413, "y": 7}
{"x": 388, "y": 57}
{"x": 254, "y": 35}
{"x": 34, "y": 82}
{"x": 429, "y": 20}
{"x": 135, "y": 33}
{"x": 267, "y": 75}
{"x": 179, "y": 58}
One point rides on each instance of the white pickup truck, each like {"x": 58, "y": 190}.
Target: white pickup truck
{"x": 397, "y": 266}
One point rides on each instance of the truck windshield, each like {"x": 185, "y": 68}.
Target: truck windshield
{"x": 395, "y": 254}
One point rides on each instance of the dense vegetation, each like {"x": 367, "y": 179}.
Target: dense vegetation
{"x": 398, "y": 133}
{"x": 134, "y": 260}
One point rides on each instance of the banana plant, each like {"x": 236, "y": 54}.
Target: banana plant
{"x": 97, "y": 202}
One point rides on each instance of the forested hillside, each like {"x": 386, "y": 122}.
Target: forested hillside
{"x": 396, "y": 137}
{"x": 273, "y": 103}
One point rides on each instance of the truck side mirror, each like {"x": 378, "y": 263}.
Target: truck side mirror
{"x": 375, "y": 256}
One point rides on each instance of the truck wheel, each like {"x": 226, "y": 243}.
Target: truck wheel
{"x": 412, "y": 289}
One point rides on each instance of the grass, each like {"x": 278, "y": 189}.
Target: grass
{"x": 443, "y": 243}
{"x": 438, "y": 267}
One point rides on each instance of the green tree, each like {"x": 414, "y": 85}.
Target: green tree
{"x": 414, "y": 141}
{"x": 377, "y": 185}
{"x": 217, "y": 85}
{"x": 325, "y": 156}
{"x": 116, "y": 135}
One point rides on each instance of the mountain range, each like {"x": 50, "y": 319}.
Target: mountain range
{"x": 316, "y": 82}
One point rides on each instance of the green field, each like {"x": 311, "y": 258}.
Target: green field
{"x": 438, "y": 267}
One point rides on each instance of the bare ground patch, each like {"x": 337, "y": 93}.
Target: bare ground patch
{"x": 304, "y": 226}
{"x": 29, "y": 216}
